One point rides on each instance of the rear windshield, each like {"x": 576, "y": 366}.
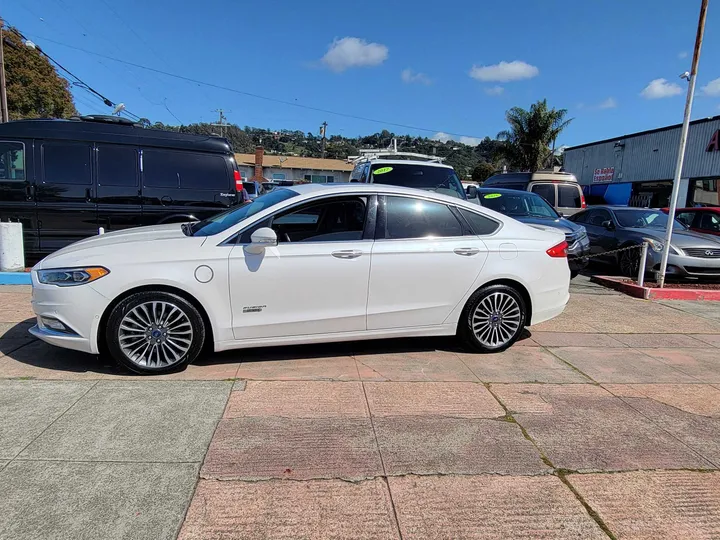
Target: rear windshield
{"x": 569, "y": 196}
{"x": 249, "y": 187}
{"x": 439, "y": 179}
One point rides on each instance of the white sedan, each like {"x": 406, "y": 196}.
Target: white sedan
{"x": 307, "y": 264}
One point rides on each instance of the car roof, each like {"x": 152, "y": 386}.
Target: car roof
{"x": 506, "y": 190}
{"x": 408, "y": 162}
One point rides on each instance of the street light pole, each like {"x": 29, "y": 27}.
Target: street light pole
{"x": 4, "y": 113}
{"x": 683, "y": 142}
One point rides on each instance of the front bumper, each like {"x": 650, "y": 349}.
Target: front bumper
{"x": 579, "y": 248}
{"x": 683, "y": 266}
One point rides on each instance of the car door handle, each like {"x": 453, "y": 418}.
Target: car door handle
{"x": 467, "y": 252}
{"x": 347, "y": 254}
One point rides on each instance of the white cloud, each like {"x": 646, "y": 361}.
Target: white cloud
{"x": 445, "y": 137}
{"x": 609, "y": 103}
{"x": 504, "y": 72}
{"x": 494, "y": 90}
{"x": 682, "y": 55}
{"x": 409, "y": 76}
{"x": 660, "y": 88}
{"x": 351, "y": 52}
{"x": 712, "y": 88}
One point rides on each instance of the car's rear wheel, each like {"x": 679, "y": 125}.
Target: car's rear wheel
{"x": 493, "y": 319}
{"x": 154, "y": 332}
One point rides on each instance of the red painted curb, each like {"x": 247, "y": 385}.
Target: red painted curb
{"x": 654, "y": 293}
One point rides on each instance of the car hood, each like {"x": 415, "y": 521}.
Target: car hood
{"x": 109, "y": 242}
{"x": 681, "y": 239}
{"x": 564, "y": 225}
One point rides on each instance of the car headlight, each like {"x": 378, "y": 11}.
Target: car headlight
{"x": 655, "y": 245}
{"x": 68, "y": 277}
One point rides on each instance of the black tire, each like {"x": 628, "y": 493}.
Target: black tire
{"x": 574, "y": 274}
{"x": 629, "y": 262}
{"x": 465, "y": 328}
{"x": 182, "y": 340}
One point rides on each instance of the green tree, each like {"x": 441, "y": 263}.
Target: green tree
{"x": 483, "y": 171}
{"x": 34, "y": 88}
{"x": 527, "y": 143}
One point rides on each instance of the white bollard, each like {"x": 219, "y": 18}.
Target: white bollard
{"x": 12, "y": 251}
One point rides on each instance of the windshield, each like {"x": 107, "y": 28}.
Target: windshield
{"x": 518, "y": 204}
{"x": 646, "y": 219}
{"x": 224, "y": 221}
{"x": 439, "y": 179}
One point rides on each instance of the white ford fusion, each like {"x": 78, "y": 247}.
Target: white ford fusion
{"x": 307, "y": 264}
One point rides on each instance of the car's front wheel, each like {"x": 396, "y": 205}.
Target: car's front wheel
{"x": 493, "y": 319}
{"x": 154, "y": 332}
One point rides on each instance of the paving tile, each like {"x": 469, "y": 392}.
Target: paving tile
{"x": 341, "y": 368}
{"x": 316, "y": 509}
{"x": 459, "y": 400}
{"x": 622, "y": 366}
{"x": 298, "y": 399}
{"x": 521, "y": 365}
{"x": 584, "y": 427}
{"x": 29, "y": 407}
{"x": 702, "y": 364}
{"x": 61, "y": 500}
{"x": 658, "y": 340}
{"x": 575, "y": 339}
{"x": 136, "y": 421}
{"x": 710, "y": 339}
{"x": 706, "y": 309}
{"x": 691, "y": 413}
{"x": 210, "y": 368}
{"x": 261, "y": 448}
{"x": 646, "y": 505}
{"x": 11, "y": 330}
{"x": 40, "y": 360}
{"x": 496, "y": 507}
{"x": 24, "y": 289}
{"x": 413, "y": 366}
{"x": 15, "y": 307}
{"x": 437, "y": 445}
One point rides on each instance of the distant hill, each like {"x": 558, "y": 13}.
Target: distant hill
{"x": 462, "y": 157}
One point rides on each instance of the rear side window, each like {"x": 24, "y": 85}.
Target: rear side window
{"x": 546, "y": 191}
{"x": 415, "y": 218}
{"x": 117, "y": 165}
{"x": 569, "y": 196}
{"x": 185, "y": 170}
{"x": 66, "y": 163}
{"x": 12, "y": 161}
{"x": 480, "y": 224}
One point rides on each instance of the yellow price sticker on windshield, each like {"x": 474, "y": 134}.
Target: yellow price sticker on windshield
{"x": 383, "y": 170}
{"x": 493, "y": 196}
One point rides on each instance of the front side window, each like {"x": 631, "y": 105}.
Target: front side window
{"x": 710, "y": 222}
{"x": 416, "y": 218}
{"x": 12, "y": 161}
{"x": 426, "y": 177}
{"x": 334, "y": 220}
{"x": 546, "y": 191}
{"x": 117, "y": 165}
{"x": 686, "y": 218}
{"x": 598, "y": 217}
{"x": 569, "y": 196}
{"x": 66, "y": 163}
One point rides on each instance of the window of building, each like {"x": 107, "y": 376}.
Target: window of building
{"x": 12, "y": 160}
{"x": 480, "y": 224}
{"x": 117, "y": 165}
{"x": 66, "y": 163}
{"x": 705, "y": 193}
{"x": 415, "y": 218}
{"x": 278, "y": 176}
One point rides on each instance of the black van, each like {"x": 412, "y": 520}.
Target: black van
{"x": 64, "y": 179}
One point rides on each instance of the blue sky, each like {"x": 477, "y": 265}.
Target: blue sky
{"x": 448, "y": 68}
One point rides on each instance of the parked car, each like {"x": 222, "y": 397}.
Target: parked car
{"x": 63, "y": 179}
{"x": 533, "y": 210}
{"x": 471, "y": 187}
{"x": 153, "y": 296}
{"x": 609, "y": 228}
{"x": 411, "y": 170}
{"x": 253, "y": 188}
{"x": 560, "y": 189}
{"x": 703, "y": 220}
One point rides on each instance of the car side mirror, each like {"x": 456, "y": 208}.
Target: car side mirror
{"x": 472, "y": 192}
{"x": 263, "y": 238}
{"x": 609, "y": 225}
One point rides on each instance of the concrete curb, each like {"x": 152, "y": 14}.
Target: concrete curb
{"x": 15, "y": 278}
{"x": 653, "y": 293}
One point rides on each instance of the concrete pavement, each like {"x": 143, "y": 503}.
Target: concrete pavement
{"x": 602, "y": 423}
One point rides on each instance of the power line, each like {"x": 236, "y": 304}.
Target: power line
{"x": 257, "y": 96}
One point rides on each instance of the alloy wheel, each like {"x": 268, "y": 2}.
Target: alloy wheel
{"x": 496, "y": 319}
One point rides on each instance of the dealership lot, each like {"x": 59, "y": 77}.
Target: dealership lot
{"x": 603, "y": 421}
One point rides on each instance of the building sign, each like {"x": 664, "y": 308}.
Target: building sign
{"x": 603, "y": 175}
{"x": 714, "y": 144}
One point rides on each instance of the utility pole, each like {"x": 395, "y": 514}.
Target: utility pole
{"x": 4, "y": 113}
{"x": 323, "y": 130}
{"x": 683, "y": 142}
{"x": 222, "y": 122}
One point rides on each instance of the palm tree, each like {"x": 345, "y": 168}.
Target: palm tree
{"x": 527, "y": 143}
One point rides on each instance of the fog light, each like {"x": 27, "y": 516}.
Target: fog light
{"x": 53, "y": 324}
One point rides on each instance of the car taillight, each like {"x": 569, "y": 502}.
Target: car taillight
{"x": 238, "y": 181}
{"x": 559, "y": 251}
{"x": 582, "y": 200}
